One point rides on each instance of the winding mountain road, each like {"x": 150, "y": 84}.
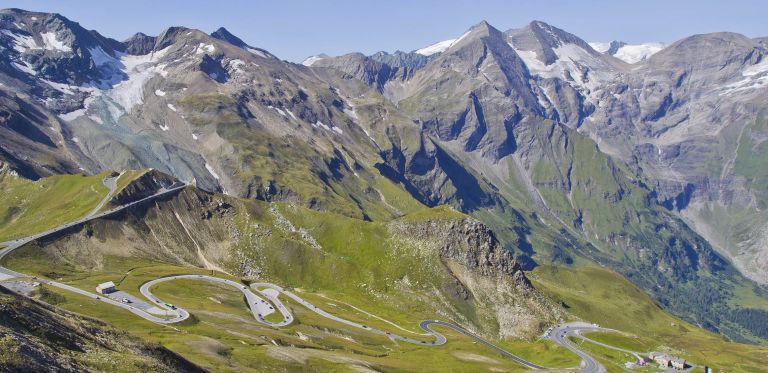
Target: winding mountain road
{"x": 560, "y": 336}
{"x": 262, "y": 298}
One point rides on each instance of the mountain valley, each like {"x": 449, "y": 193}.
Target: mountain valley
{"x": 508, "y": 182}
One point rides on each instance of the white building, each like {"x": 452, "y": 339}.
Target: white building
{"x": 106, "y": 288}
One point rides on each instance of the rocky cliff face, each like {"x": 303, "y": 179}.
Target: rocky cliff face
{"x": 147, "y": 184}
{"x": 483, "y": 274}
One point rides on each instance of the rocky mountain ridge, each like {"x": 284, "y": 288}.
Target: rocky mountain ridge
{"x": 568, "y": 154}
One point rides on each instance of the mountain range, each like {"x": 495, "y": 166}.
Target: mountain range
{"x": 647, "y": 159}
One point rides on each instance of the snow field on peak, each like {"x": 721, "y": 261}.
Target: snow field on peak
{"x": 636, "y": 53}
{"x": 311, "y": 60}
{"x": 53, "y": 43}
{"x": 125, "y": 88}
{"x": 438, "y": 47}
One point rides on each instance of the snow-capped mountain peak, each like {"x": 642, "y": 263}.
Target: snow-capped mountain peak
{"x": 438, "y": 47}
{"x": 629, "y": 53}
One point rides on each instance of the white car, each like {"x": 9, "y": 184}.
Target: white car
{"x": 126, "y": 300}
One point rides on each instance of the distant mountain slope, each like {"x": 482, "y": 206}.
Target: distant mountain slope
{"x": 532, "y": 121}
{"x": 570, "y": 155}
{"x": 629, "y": 53}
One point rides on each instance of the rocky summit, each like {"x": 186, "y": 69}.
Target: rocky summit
{"x": 478, "y": 177}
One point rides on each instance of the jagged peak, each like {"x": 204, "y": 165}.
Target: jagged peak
{"x": 543, "y": 38}
{"x": 170, "y": 35}
{"x": 223, "y": 34}
{"x": 140, "y": 44}
{"x": 139, "y": 35}
{"x": 479, "y": 31}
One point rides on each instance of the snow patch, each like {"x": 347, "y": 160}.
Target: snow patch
{"x": 159, "y": 93}
{"x": 205, "y": 48}
{"x": 72, "y": 115}
{"x": 164, "y": 128}
{"x": 211, "y": 171}
{"x": 600, "y": 47}
{"x": 460, "y": 38}
{"x": 139, "y": 69}
{"x": 321, "y": 125}
{"x": 52, "y": 42}
{"x": 337, "y": 130}
{"x": 194, "y": 137}
{"x": 63, "y": 88}
{"x": 257, "y": 52}
{"x": 100, "y": 57}
{"x": 311, "y": 60}
{"x": 756, "y": 69}
{"x": 236, "y": 65}
{"x": 26, "y": 68}
{"x": 351, "y": 113}
{"x": 438, "y": 47}
{"x": 170, "y": 106}
{"x": 280, "y": 111}
{"x": 369, "y": 135}
{"x": 574, "y": 64}
{"x": 21, "y": 43}
{"x": 755, "y": 76}
{"x": 636, "y": 53}
{"x": 291, "y": 114}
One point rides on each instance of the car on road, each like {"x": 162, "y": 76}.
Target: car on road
{"x": 126, "y": 300}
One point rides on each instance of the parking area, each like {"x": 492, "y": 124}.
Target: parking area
{"x": 139, "y": 303}
{"x": 20, "y": 286}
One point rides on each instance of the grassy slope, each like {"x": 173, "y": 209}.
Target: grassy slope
{"x": 317, "y": 178}
{"x": 224, "y": 336}
{"x": 34, "y": 206}
{"x": 351, "y": 246}
{"x": 596, "y": 295}
{"x": 604, "y": 297}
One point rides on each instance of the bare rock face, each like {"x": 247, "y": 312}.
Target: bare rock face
{"x": 485, "y": 273}
{"x": 473, "y": 245}
{"x": 140, "y": 44}
{"x": 146, "y": 185}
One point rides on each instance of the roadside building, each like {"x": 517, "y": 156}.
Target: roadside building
{"x": 663, "y": 360}
{"x": 678, "y": 363}
{"x": 106, "y": 288}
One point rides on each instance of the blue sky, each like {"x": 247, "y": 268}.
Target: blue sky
{"x": 295, "y": 29}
